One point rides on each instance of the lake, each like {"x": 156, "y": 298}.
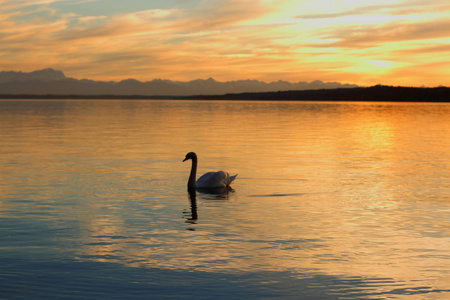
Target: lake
{"x": 333, "y": 200}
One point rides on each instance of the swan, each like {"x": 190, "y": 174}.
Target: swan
{"x": 210, "y": 180}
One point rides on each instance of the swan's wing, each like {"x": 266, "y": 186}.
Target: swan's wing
{"x": 211, "y": 180}
{"x": 229, "y": 179}
{"x": 215, "y": 180}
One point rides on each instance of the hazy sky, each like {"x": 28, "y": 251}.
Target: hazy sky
{"x": 351, "y": 41}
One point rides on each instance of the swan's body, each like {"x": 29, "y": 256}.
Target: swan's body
{"x": 210, "y": 180}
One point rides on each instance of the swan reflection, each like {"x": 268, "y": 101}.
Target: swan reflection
{"x": 221, "y": 192}
{"x": 193, "y": 202}
{"x": 209, "y": 194}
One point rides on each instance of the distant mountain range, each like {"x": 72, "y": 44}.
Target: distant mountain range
{"x": 53, "y": 82}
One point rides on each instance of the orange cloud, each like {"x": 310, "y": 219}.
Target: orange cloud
{"x": 232, "y": 39}
{"x": 370, "y": 36}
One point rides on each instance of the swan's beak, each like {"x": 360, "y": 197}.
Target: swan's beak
{"x": 185, "y": 159}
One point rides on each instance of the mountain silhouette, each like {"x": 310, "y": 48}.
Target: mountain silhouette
{"x": 53, "y": 82}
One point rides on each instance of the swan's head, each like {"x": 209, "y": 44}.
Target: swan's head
{"x": 190, "y": 155}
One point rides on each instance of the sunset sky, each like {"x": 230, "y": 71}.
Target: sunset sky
{"x": 350, "y": 41}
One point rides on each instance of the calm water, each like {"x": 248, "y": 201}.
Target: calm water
{"x": 332, "y": 201}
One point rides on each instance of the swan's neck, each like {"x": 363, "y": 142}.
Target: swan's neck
{"x": 191, "y": 182}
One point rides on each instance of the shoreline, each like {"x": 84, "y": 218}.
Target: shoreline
{"x": 375, "y": 94}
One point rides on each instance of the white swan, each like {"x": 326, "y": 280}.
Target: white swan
{"x": 210, "y": 180}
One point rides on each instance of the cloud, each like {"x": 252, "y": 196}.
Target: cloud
{"x": 358, "y": 11}
{"x": 211, "y": 16}
{"x": 86, "y": 28}
{"x": 372, "y": 35}
{"x": 21, "y": 4}
{"x": 172, "y": 39}
{"x": 218, "y": 14}
{"x": 398, "y": 9}
{"x": 20, "y": 30}
{"x": 424, "y": 50}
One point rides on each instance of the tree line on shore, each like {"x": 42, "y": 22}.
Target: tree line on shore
{"x": 374, "y": 93}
